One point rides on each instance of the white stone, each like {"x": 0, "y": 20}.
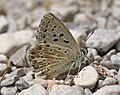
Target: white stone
{"x": 3, "y": 58}
{"x": 87, "y": 77}
{"x": 66, "y": 90}
{"x": 108, "y": 90}
{"x": 34, "y": 90}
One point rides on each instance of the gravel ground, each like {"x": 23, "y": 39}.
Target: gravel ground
{"x": 19, "y": 21}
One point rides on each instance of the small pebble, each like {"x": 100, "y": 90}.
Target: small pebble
{"x": 3, "y": 58}
{"x": 9, "y": 81}
{"x": 109, "y": 81}
{"x": 108, "y": 90}
{"x": 36, "y": 89}
{"x": 87, "y": 78}
{"x": 88, "y": 92}
{"x": 18, "y": 59}
{"x": 9, "y": 90}
{"x": 22, "y": 84}
{"x": 66, "y": 90}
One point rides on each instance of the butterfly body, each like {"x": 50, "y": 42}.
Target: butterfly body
{"x": 55, "y": 50}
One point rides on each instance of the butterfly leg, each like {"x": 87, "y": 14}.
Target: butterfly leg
{"x": 70, "y": 69}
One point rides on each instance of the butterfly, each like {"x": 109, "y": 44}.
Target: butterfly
{"x": 55, "y": 50}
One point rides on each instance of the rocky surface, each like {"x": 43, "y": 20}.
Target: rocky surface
{"x": 98, "y": 75}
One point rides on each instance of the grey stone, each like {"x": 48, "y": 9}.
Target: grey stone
{"x": 28, "y": 78}
{"x": 115, "y": 59}
{"x": 22, "y": 84}
{"x": 100, "y": 84}
{"x": 18, "y": 59}
{"x": 116, "y": 12}
{"x": 34, "y": 90}
{"x": 114, "y": 24}
{"x": 3, "y": 58}
{"x": 101, "y": 22}
{"x": 110, "y": 53}
{"x": 83, "y": 25}
{"x": 116, "y": 3}
{"x": 109, "y": 64}
{"x": 98, "y": 58}
{"x": 91, "y": 53}
{"x": 3, "y": 24}
{"x": 66, "y": 90}
{"x": 9, "y": 90}
{"x": 118, "y": 75}
{"x": 12, "y": 24}
{"x": 80, "y": 17}
{"x": 19, "y": 72}
{"x": 108, "y": 90}
{"x": 88, "y": 92}
{"x": 96, "y": 62}
{"x": 35, "y": 24}
{"x": 3, "y": 67}
{"x": 78, "y": 36}
{"x": 65, "y": 11}
{"x": 87, "y": 78}
{"x": 102, "y": 41}
{"x": 114, "y": 71}
{"x": 29, "y": 70}
{"x": 118, "y": 46}
{"x": 9, "y": 81}
{"x": 39, "y": 81}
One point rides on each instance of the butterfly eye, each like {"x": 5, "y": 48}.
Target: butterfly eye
{"x": 84, "y": 51}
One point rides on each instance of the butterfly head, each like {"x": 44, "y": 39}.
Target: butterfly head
{"x": 84, "y": 51}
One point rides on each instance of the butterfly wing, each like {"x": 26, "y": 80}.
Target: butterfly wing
{"x": 52, "y": 30}
{"x": 55, "y": 48}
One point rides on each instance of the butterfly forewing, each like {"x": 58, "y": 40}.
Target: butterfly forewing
{"x": 55, "y": 48}
{"x": 52, "y": 30}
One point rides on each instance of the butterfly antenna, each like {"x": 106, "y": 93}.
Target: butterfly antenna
{"x": 78, "y": 69}
{"x": 89, "y": 35}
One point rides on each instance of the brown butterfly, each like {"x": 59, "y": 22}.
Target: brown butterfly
{"x": 55, "y": 50}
